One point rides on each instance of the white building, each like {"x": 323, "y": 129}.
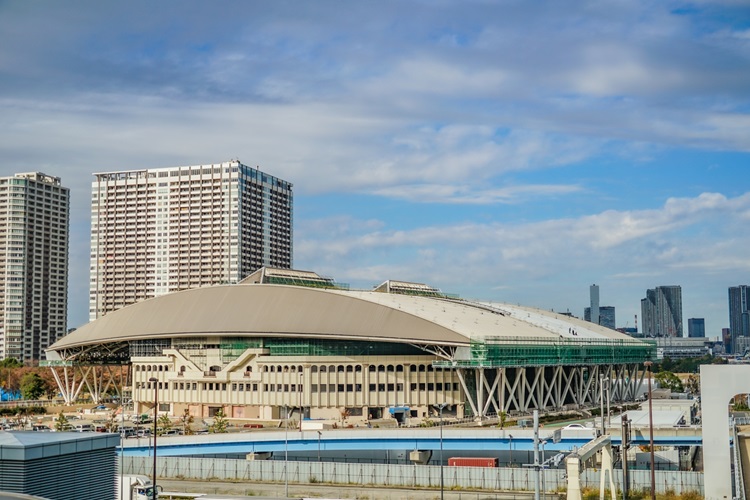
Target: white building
{"x": 34, "y": 213}
{"x": 156, "y": 231}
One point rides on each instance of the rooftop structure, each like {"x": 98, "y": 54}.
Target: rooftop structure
{"x": 255, "y": 347}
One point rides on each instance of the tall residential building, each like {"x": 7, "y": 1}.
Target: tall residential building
{"x": 696, "y": 327}
{"x": 606, "y": 316}
{"x": 34, "y": 218}
{"x": 661, "y": 312}
{"x": 156, "y": 231}
{"x": 739, "y": 319}
{"x": 594, "y": 296}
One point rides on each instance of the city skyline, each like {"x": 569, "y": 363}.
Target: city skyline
{"x": 502, "y": 151}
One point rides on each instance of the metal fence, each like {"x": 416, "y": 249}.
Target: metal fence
{"x": 411, "y": 476}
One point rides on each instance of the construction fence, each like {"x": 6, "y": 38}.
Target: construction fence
{"x": 390, "y": 475}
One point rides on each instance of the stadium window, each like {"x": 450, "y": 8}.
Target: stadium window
{"x": 399, "y": 368}
{"x": 273, "y": 369}
{"x": 390, "y": 368}
{"x": 455, "y": 386}
{"x": 313, "y": 387}
{"x": 391, "y": 387}
{"x": 421, "y": 368}
{"x": 430, "y": 368}
{"x": 195, "y": 386}
{"x": 413, "y": 387}
{"x": 381, "y": 368}
{"x": 358, "y": 368}
{"x": 323, "y": 369}
{"x": 294, "y": 369}
{"x": 412, "y": 368}
{"x": 223, "y": 387}
{"x": 314, "y": 369}
{"x": 349, "y": 368}
{"x": 371, "y": 368}
{"x": 340, "y": 369}
{"x": 421, "y": 387}
{"x": 299, "y": 369}
{"x": 234, "y": 387}
{"x": 430, "y": 386}
{"x": 372, "y": 387}
{"x": 381, "y": 387}
{"x": 399, "y": 387}
{"x": 358, "y": 387}
{"x": 331, "y": 387}
{"x": 439, "y": 386}
{"x": 286, "y": 387}
{"x": 255, "y": 387}
{"x": 332, "y": 369}
{"x": 323, "y": 388}
{"x": 340, "y": 388}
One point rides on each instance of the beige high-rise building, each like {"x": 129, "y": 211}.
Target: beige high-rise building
{"x": 34, "y": 218}
{"x": 156, "y": 231}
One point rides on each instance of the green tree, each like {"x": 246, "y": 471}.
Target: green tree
{"x": 187, "y": 423}
{"x": 693, "y": 384}
{"x": 62, "y": 424}
{"x": 220, "y": 422}
{"x": 33, "y": 386}
{"x": 163, "y": 424}
{"x": 10, "y": 363}
{"x": 669, "y": 380}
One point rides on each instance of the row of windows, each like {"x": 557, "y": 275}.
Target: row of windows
{"x": 292, "y": 388}
{"x": 313, "y": 369}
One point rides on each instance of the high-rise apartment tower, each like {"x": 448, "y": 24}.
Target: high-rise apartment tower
{"x": 34, "y": 218}
{"x": 662, "y": 312}
{"x": 739, "y": 317}
{"x": 160, "y": 230}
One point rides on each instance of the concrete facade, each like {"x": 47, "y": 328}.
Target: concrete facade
{"x": 718, "y": 385}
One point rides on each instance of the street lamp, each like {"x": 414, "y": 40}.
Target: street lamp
{"x": 510, "y": 436}
{"x": 440, "y": 413}
{"x": 648, "y": 365}
{"x": 154, "y": 381}
{"x": 286, "y": 451}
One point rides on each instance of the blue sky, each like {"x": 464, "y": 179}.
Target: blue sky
{"x": 510, "y": 150}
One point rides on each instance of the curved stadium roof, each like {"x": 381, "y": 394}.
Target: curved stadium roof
{"x": 300, "y": 312}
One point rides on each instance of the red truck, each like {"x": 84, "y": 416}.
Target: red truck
{"x": 472, "y": 462}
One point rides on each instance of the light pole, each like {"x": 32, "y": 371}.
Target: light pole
{"x": 154, "y": 381}
{"x": 440, "y": 413}
{"x": 510, "y": 436}
{"x": 648, "y": 365}
{"x": 318, "y": 446}
{"x": 286, "y": 451}
{"x": 601, "y": 399}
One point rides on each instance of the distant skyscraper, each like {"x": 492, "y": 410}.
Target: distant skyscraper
{"x": 594, "y": 296}
{"x": 160, "y": 230}
{"x": 739, "y": 319}
{"x": 696, "y": 327}
{"x": 606, "y": 316}
{"x": 661, "y": 312}
{"x": 34, "y": 215}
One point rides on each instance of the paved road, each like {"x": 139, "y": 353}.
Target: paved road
{"x": 324, "y": 491}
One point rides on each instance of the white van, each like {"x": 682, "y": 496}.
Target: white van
{"x": 83, "y": 428}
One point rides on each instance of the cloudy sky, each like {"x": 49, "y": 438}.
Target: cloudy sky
{"x": 504, "y": 150}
